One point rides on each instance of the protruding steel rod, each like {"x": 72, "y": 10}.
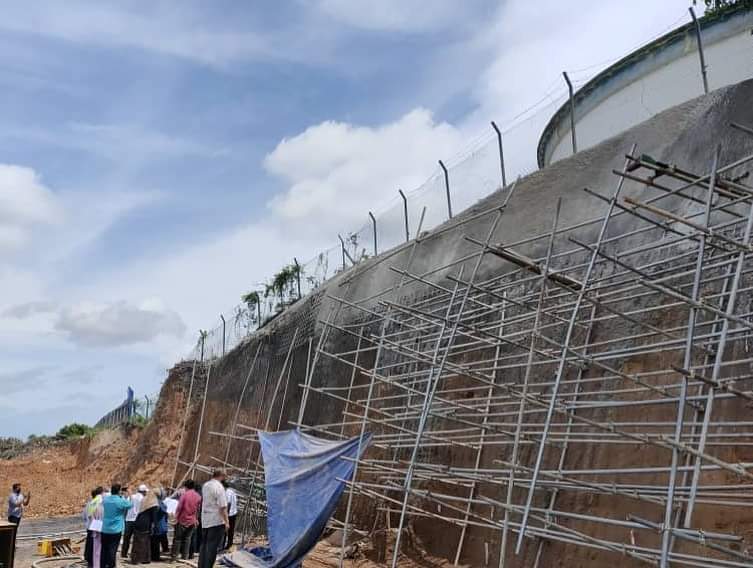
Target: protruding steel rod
{"x": 374, "y": 226}
{"x": 702, "y": 59}
{"x": 405, "y": 214}
{"x": 501, "y": 154}
{"x": 572, "y": 111}
{"x": 447, "y": 187}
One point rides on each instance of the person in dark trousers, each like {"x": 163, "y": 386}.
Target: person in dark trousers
{"x": 214, "y": 519}
{"x": 130, "y": 519}
{"x": 89, "y": 516}
{"x": 196, "y": 539}
{"x": 141, "y": 552}
{"x": 159, "y": 529}
{"x": 232, "y": 514}
{"x": 114, "y": 507}
{"x": 186, "y": 520}
{"x": 17, "y": 502}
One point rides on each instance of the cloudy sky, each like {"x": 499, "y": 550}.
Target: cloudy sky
{"x": 158, "y": 159}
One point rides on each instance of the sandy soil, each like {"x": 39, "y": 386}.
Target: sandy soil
{"x": 56, "y": 477}
{"x": 326, "y": 554}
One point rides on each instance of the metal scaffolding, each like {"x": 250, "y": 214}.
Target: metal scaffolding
{"x": 586, "y": 386}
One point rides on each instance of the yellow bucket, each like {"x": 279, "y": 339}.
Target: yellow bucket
{"x": 44, "y": 548}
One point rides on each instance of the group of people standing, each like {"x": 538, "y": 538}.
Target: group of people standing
{"x": 146, "y": 526}
{"x": 204, "y": 521}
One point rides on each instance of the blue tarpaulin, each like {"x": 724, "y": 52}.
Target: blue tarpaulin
{"x": 303, "y": 483}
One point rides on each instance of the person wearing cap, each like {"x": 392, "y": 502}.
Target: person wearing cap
{"x": 130, "y": 519}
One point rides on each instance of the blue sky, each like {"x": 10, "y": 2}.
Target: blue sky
{"x": 157, "y": 159}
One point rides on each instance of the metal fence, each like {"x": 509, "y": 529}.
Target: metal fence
{"x": 131, "y": 409}
{"x": 119, "y": 415}
{"x": 498, "y": 156}
{"x": 457, "y": 183}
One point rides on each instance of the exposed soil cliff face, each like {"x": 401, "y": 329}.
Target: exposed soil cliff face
{"x": 152, "y": 455}
{"x": 61, "y": 476}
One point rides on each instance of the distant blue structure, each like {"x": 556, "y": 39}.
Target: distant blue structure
{"x": 121, "y": 414}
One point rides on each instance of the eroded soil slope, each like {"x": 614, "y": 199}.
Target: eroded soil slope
{"x": 61, "y": 476}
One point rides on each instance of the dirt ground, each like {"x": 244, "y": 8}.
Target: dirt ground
{"x": 326, "y": 554}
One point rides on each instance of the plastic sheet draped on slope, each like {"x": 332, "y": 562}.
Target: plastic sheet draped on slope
{"x": 303, "y": 482}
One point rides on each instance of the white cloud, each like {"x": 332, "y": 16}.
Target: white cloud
{"x": 526, "y": 53}
{"x": 333, "y": 173}
{"x": 24, "y": 204}
{"x": 163, "y": 29}
{"x": 205, "y": 279}
{"x": 99, "y": 324}
{"x": 193, "y": 31}
{"x": 394, "y": 15}
{"x": 29, "y": 309}
{"x": 337, "y": 171}
{"x": 117, "y": 323}
{"x": 114, "y": 141}
{"x": 24, "y": 379}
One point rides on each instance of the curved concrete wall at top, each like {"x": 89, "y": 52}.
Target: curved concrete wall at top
{"x": 658, "y": 76}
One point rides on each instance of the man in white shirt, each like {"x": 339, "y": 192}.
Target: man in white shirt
{"x": 130, "y": 519}
{"x": 214, "y": 518}
{"x": 17, "y": 503}
{"x": 232, "y": 513}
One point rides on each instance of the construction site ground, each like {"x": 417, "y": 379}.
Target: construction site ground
{"x": 325, "y": 555}
{"x": 61, "y": 476}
